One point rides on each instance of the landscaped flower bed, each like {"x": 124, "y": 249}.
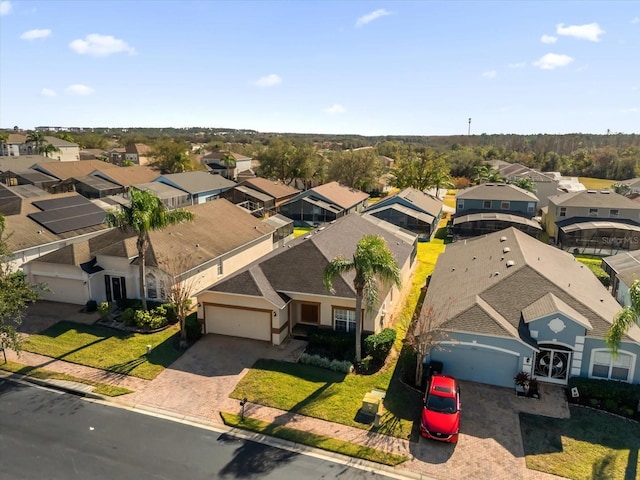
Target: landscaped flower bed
{"x": 615, "y": 397}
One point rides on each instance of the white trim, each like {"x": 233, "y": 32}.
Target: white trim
{"x": 575, "y": 372}
{"x": 487, "y": 347}
{"x": 579, "y": 338}
{"x": 579, "y": 347}
{"x": 630, "y": 377}
{"x": 577, "y": 355}
{"x": 555, "y": 342}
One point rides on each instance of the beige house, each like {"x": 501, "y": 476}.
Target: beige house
{"x": 222, "y": 239}
{"x": 284, "y": 291}
{"x": 17, "y": 145}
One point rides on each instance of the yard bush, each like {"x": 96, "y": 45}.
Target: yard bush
{"x": 193, "y": 327}
{"x": 618, "y": 397}
{"x": 343, "y": 366}
{"x": 380, "y": 344}
{"x": 168, "y": 311}
{"x": 149, "y": 319}
{"x": 104, "y": 309}
{"x": 91, "y": 306}
{"x": 128, "y": 316}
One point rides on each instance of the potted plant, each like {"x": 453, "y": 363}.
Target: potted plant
{"x": 522, "y": 380}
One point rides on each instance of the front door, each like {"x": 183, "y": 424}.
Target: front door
{"x": 115, "y": 287}
{"x": 552, "y": 364}
{"x": 309, "y": 313}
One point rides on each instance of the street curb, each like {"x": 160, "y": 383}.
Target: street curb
{"x": 18, "y": 377}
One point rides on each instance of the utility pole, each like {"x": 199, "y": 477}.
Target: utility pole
{"x": 469, "y": 130}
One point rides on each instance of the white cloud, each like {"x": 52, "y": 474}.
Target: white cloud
{"x": 630, "y": 110}
{"x": 518, "y": 65}
{"x": 370, "y": 17}
{"x": 270, "y": 80}
{"x": 5, "y": 7}
{"x": 35, "y": 34}
{"x": 47, "y": 92}
{"x": 335, "y": 109}
{"x": 100, "y": 45}
{"x": 589, "y": 31}
{"x": 78, "y": 89}
{"x": 548, "y": 39}
{"x": 553, "y": 60}
{"x": 635, "y": 20}
{"x": 490, "y": 74}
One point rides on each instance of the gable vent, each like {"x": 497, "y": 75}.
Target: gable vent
{"x": 510, "y": 263}
{"x": 506, "y": 250}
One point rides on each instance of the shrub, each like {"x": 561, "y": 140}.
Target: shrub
{"x": 331, "y": 344}
{"x": 104, "y": 309}
{"x": 379, "y": 345}
{"x": 366, "y": 364}
{"x": 193, "y": 327}
{"x": 149, "y": 319}
{"x": 91, "y": 306}
{"x": 128, "y": 316}
{"x": 623, "y": 395}
{"x": 343, "y": 366}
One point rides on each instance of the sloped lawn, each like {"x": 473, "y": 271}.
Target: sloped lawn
{"x": 589, "y": 445}
{"x": 107, "y": 349}
{"x": 337, "y": 397}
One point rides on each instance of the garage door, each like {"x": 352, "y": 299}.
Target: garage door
{"x": 238, "y": 322}
{"x": 478, "y": 364}
{"x": 63, "y": 290}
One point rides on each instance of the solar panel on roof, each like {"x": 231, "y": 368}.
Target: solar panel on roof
{"x": 64, "y": 202}
{"x": 61, "y": 215}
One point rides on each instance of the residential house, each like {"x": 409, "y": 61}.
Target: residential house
{"x": 70, "y": 170}
{"x": 222, "y": 239}
{"x": 490, "y": 207}
{"x": 117, "y": 155}
{"x": 410, "y": 209}
{"x": 28, "y": 177}
{"x": 506, "y": 303}
{"x": 214, "y": 161}
{"x": 593, "y": 221}
{"x": 138, "y": 153}
{"x": 323, "y": 204}
{"x": 92, "y": 186}
{"x": 545, "y": 185}
{"x": 283, "y": 290}
{"x": 23, "y": 162}
{"x": 94, "y": 154}
{"x": 633, "y": 184}
{"x": 623, "y": 269}
{"x": 170, "y": 196}
{"x": 127, "y": 176}
{"x": 201, "y": 186}
{"x": 262, "y": 194}
{"x": 17, "y": 145}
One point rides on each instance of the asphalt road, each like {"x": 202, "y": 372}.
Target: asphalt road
{"x": 51, "y": 435}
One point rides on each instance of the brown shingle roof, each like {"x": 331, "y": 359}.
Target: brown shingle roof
{"x": 275, "y": 189}
{"x": 341, "y": 195}
{"x": 127, "y": 176}
{"x": 79, "y": 168}
{"x": 497, "y": 191}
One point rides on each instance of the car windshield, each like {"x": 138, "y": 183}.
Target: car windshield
{"x": 441, "y": 404}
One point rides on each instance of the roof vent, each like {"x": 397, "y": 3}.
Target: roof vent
{"x": 506, "y": 250}
{"x": 592, "y": 191}
{"x": 510, "y": 263}
{"x": 474, "y": 257}
{"x": 307, "y": 236}
{"x": 606, "y": 192}
{"x": 503, "y": 239}
{"x": 496, "y": 274}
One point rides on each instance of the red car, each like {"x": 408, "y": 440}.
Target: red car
{"x": 441, "y": 412}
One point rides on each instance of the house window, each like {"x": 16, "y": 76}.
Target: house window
{"x": 486, "y": 204}
{"x": 504, "y": 205}
{"x": 344, "y": 320}
{"x": 605, "y": 365}
{"x": 531, "y": 207}
{"x": 614, "y": 213}
{"x": 563, "y": 211}
{"x": 593, "y": 212}
{"x": 152, "y": 286}
{"x": 460, "y": 204}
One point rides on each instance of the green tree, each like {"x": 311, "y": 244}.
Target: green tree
{"x": 624, "y": 319}
{"x": 286, "y": 160}
{"x": 228, "y": 161}
{"x": 372, "y": 261}
{"x": 356, "y": 169}
{"x": 171, "y": 157}
{"x": 421, "y": 170}
{"x": 37, "y": 138}
{"x": 145, "y": 213}
{"x": 525, "y": 183}
{"x": 438, "y": 174}
{"x": 621, "y": 188}
{"x": 15, "y": 295}
{"x": 485, "y": 174}
{"x": 47, "y": 148}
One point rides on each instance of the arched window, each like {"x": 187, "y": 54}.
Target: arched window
{"x": 152, "y": 286}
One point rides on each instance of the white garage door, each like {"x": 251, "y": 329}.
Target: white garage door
{"x": 238, "y": 322}
{"x": 478, "y": 364}
{"x": 63, "y": 290}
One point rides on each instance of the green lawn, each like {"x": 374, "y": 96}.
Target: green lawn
{"x": 337, "y": 397}
{"x": 107, "y": 349}
{"x": 43, "y": 374}
{"x": 596, "y": 183}
{"x": 313, "y": 440}
{"x": 589, "y": 445}
{"x": 299, "y": 231}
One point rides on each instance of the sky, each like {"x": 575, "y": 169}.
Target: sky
{"x": 334, "y": 67}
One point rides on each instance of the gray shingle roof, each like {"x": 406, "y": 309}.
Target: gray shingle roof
{"x": 479, "y": 268}
{"x": 197, "y": 182}
{"x": 417, "y": 200}
{"x": 496, "y": 191}
{"x": 593, "y": 198}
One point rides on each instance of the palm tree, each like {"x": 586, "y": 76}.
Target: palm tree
{"x": 37, "y": 138}
{"x": 625, "y": 318}
{"x": 525, "y": 183}
{"x": 48, "y": 148}
{"x": 145, "y": 213}
{"x": 371, "y": 261}
{"x": 4, "y": 138}
{"x": 228, "y": 161}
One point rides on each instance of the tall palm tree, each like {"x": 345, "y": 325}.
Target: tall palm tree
{"x": 625, "y": 318}
{"x": 37, "y": 138}
{"x": 145, "y": 213}
{"x": 371, "y": 261}
{"x": 48, "y": 148}
{"x": 228, "y": 161}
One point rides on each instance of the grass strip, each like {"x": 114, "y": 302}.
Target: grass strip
{"x": 42, "y": 374}
{"x": 313, "y": 440}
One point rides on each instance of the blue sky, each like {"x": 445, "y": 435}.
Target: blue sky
{"x": 344, "y": 67}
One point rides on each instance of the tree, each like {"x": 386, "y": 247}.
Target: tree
{"x": 171, "y": 157}
{"x": 422, "y": 170}
{"x": 15, "y": 294}
{"x": 621, "y": 188}
{"x": 371, "y": 261}
{"x": 423, "y": 335}
{"x": 525, "y": 183}
{"x": 145, "y": 213}
{"x": 438, "y": 174}
{"x": 485, "y": 174}
{"x": 286, "y": 160}
{"x": 180, "y": 292}
{"x": 228, "y": 161}
{"x": 46, "y": 148}
{"x": 37, "y": 138}
{"x": 624, "y": 319}
{"x": 356, "y": 169}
